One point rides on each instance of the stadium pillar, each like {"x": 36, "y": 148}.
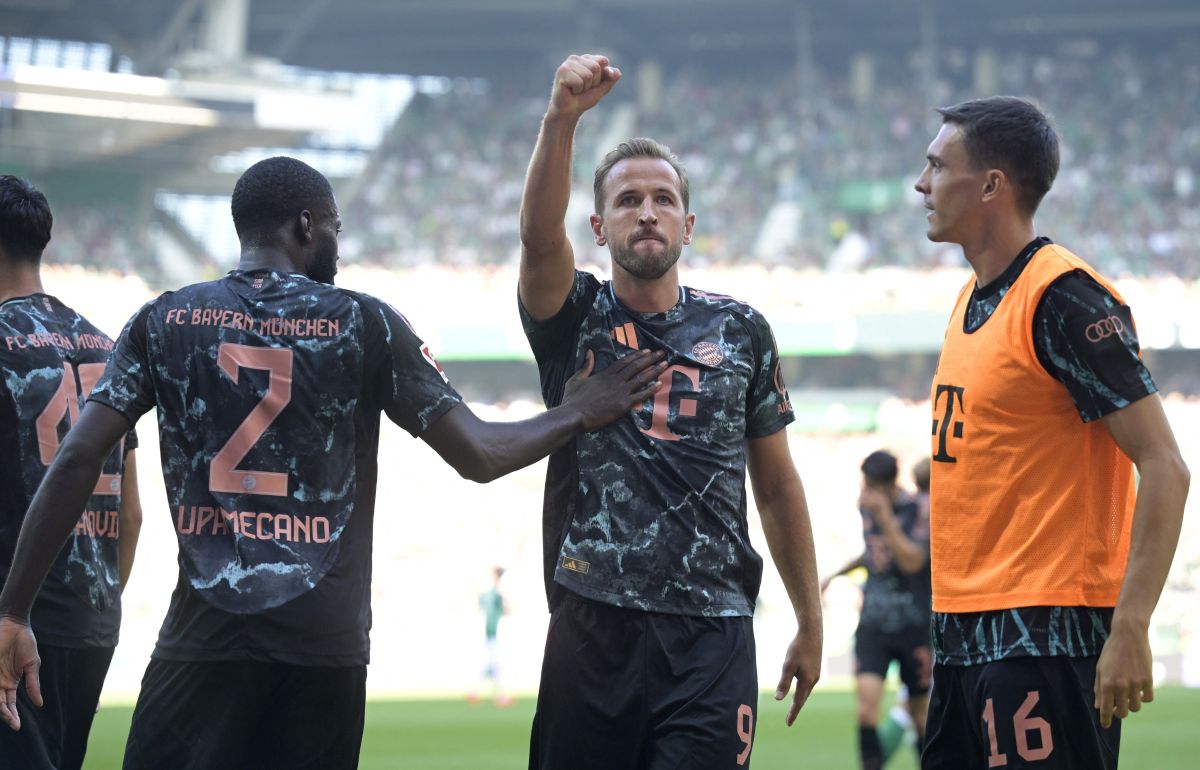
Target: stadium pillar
{"x": 929, "y": 52}
{"x": 649, "y": 87}
{"x": 862, "y": 78}
{"x": 225, "y": 27}
{"x": 985, "y": 71}
{"x": 806, "y": 78}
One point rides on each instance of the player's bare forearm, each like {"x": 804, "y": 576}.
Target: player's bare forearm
{"x": 1157, "y": 521}
{"x": 1123, "y": 673}
{"x": 548, "y": 192}
{"x": 547, "y": 260}
{"x": 130, "y": 517}
{"x": 783, "y": 509}
{"x": 909, "y": 555}
{"x": 483, "y": 451}
{"x": 495, "y": 449}
{"x": 57, "y": 504}
{"x": 789, "y": 539}
{"x": 849, "y": 566}
{"x": 1143, "y": 434}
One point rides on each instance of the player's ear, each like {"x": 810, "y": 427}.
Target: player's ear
{"x": 993, "y": 183}
{"x": 304, "y": 226}
{"x": 688, "y": 223}
{"x": 597, "y": 223}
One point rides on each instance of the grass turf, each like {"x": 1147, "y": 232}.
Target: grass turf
{"x": 455, "y": 735}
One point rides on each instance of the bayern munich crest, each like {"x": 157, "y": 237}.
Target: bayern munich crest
{"x": 708, "y": 353}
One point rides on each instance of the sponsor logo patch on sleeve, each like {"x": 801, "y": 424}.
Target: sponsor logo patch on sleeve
{"x": 575, "y": 565}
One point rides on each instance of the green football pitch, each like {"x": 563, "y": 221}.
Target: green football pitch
{"x": 455, "y": 735}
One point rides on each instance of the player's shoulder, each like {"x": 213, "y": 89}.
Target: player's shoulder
{"x": 376, "y": 310}
{"x": 587, "y": 284}
{"x": 1059, "y": 260}
{"x": 700, "y": 300}
{"x": 370, "y": 305}
{"x": 17, "y": 312}
{"x": 46, "y": 311}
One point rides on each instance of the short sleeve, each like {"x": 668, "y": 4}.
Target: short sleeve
{"x": 768, "y": 406}
{"x": 1085, "y": 338}
{"x": 127, "y": 384}
{"x": 554, "y": 338}
{"x": 404, "y": 378}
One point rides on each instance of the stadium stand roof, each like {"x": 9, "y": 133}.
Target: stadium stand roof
{"x": 213, "y": 68}
{"x": 479, "y": 37}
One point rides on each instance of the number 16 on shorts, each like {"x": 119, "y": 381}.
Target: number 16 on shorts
{"x": 1033, "y": 738}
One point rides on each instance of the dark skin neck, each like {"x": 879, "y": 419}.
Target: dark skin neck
{"x": 269, "y": 258}
{"x": 19, "y": 279}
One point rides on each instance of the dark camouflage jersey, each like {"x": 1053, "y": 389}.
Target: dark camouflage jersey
{"x": 971, "y": 638}
{"x": 650, "y": 512}
{"x": 269, "y": 388}
{"x": 50, "y": 357}
{"x": 1102, "y": 377}
{"x": 895, "y": 602}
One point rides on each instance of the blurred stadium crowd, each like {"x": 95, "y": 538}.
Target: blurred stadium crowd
{"x": 449, "y": 192}
{"x": 792, "y": 187}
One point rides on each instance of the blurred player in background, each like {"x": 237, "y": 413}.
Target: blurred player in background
{"x": 894, "y": 622}
{"x": 1047, "y": 561}
{"x": 650, "y": 572}
{"x": 491, "y": 603}
{"x": 269, "y": 385}
{"x": 920, "y": 474}
{"x": 50, "y": 357}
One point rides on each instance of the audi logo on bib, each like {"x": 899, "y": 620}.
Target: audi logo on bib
{"x": 1104, "y": 328}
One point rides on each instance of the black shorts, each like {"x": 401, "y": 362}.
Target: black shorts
{"x": 875, "y": 650}
{"x": 55, "y": 735}
{"x": 639, "y": 690}
{"x": 1018, "y": 713}
{"x": 247, "y": 714}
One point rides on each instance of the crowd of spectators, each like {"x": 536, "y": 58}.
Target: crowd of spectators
{"x": 104, "y": 237}
{"x": 843, "y": 155}
{"x": 840, "y": 153}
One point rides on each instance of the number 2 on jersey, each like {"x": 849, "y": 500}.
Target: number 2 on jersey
{"x": 224, "y": 475}
{"x": 66, "y": 401}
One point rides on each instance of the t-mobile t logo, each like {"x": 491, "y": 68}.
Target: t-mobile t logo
{"x": 661, "y": 409}
{"x": 942, "y": 427}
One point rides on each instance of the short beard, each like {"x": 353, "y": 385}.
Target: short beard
{"x": 645, "y": 268}
{"x": 323, "y": 270}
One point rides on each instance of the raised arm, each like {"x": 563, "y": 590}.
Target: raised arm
{"x": 547, "y": 261}
{"x": 52, "y": 515}
{"x": 910, "y": 555}
{"x": 779, "y": 495}
{"x": 1123, "y": 673}
{"x": 482, "y": 451}
{"x": 849, "y": 566}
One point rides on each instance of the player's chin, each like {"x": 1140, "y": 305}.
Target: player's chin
{"x": 324, "y": 273}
